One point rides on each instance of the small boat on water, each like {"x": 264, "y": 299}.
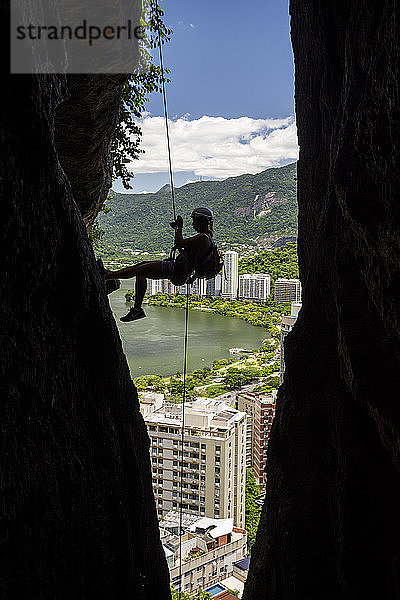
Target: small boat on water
{"x": 236, "y": 350}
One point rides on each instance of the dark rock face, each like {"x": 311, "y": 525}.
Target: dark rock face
{"x": 78, "y": 515}
{"x": 85, "y": 123}
{"x": 330, "y": 527}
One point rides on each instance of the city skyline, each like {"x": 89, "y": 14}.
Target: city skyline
{"x": 230, "y": 285}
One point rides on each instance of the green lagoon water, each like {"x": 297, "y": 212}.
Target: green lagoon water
{"x": 155, "y": 344}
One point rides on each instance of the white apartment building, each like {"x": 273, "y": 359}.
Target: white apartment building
{"x": 214, "y": 286}
{"x": 254, "y": 286}
{"x": 230, "y": 275}
{"x": 213, "y": 461}
{"x": 197, "y": 288}
{"x": 161, "y": 285}
{"x": 149, "y": 402}
{"x": 287, "y": 290}
{"x": 210, "y": 549}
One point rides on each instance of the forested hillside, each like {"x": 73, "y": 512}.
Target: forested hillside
{"x": 282, "y": 262}
{"x": 250, "y": 209}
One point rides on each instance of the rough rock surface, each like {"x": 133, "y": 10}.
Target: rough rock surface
{"x": 85, "y": 122}
{"x": 330, "y": 527}
{"x": 78, "y": 518}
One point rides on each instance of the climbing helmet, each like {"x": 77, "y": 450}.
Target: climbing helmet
{"x": 203, "y": 212}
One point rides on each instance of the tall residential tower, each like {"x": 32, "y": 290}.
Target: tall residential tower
{"x": 254, "y": 286}
{"x": 230, "y": 275}
{"x": 213, "y": 461}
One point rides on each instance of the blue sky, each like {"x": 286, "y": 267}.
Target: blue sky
{"x": 230, "y": 98}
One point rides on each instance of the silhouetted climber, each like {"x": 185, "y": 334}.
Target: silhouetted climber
{"x": 198, "y": 257}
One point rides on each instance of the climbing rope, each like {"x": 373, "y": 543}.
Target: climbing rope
{"x": 164, "y": 95}
{"x": 185, "y": 343}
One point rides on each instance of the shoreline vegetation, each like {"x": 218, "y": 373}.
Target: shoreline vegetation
{"x": 258, "y": 314}
{"x": 258, "y": 368}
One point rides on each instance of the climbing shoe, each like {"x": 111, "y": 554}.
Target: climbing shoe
{"x": 110, "y": 284}
{"x": 133, "y": 315}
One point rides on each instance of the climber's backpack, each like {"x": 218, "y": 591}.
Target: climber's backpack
{"x": 211, "y": 265}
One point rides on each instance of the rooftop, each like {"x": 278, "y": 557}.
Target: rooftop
{"x": 214, "y": 527}
{"x": 149, "y": 397}
{"x": 286, "y": 320}
{"x": 232, "y": 583}
{"x": 194, "y": 524}
{"x": 243, "y": 563}
{"x": 203, "y": 413}
{"x": 172, "y": 520}
{"x": 284, "y": 280}
{"x": 261, "y": 397}
{"x": 254, "y": 275}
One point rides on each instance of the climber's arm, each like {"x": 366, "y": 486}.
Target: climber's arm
{"x": 199, "y": 242}
{"x": 178, "y": 232}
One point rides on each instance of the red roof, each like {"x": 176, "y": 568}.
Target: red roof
{"x": 225, "y": 596}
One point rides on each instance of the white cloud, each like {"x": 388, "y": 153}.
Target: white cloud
{"x": 191, "y": 181}
{"x": 216, "y": 146}
{"x": 183, "y": 24}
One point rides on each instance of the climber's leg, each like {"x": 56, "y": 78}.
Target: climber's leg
{"x": 143, "y": 271}
{"x": 140, "y": 290}
{"x": 129, "y": 272}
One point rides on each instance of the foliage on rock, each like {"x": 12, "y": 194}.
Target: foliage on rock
{"x": 252, "y": 510}
{"x": 126, "y": 142}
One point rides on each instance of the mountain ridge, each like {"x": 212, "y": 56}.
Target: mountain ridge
{"x": 255, "y": 210}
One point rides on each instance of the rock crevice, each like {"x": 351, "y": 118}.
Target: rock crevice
{"x": 78, "y": 513}
{"x": 330, "y": 527}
